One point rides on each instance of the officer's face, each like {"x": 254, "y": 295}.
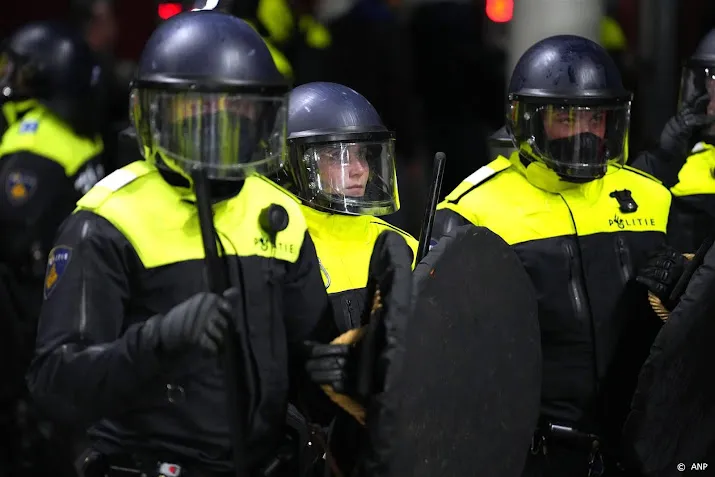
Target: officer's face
{"x": 344, "y": 170}
{"x": 561, "y": 124}
{"x": 194, "y": 106}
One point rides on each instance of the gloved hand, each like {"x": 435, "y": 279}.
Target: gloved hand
{"x": 200, "y": 322}
{"x": 679, "y": 133}
{"x": 661, "y": 273}
{"x": 333, "y": 365}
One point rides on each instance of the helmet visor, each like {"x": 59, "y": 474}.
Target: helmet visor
{"x": 348, "y": 177}
{"x": 578, "y": 142}
{"x": 696, "y": 82}
{"x": 229, "y": 135}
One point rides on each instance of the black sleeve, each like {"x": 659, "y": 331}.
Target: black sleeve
{"x": 37, "y": 196}
{"x": 309, "y": 315}
{"x": 88, "y": 363}
{"x": 660, "y": 165}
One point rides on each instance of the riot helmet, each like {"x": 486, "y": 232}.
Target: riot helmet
{"x": 567, "y": 108}
{"x": 207, "y": 94}
{"x": 49, "y": 62}
{"x": 341, "y": 155}
{"x": 697, "y": 80}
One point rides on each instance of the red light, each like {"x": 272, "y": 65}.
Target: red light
{"x": 168, "y": 10}
{"x": 500, "y": 11}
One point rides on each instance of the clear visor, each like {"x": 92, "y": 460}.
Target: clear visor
{"x": 231, "y": 136}
{"x": 578, "y": 142}
{"x": 697, "y": 82}
{"x": 349, "y": 177}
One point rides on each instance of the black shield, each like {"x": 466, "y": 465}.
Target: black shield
{"x": 471, "y": 373}
{"x": 673, "y": 409}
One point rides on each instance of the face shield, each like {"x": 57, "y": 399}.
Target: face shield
{"x": 229, "y": 135}
{"x": 348, "y": 176}
{"x": 698, "y": 80}
{"x": 577, "y": 142}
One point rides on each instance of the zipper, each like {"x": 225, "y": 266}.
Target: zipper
{"x": 624, "y": 257}
{"x": 576, "y": 286}
{"x": 579, "y": 293}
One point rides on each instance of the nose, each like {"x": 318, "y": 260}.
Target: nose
{"x": 357, "y": 167}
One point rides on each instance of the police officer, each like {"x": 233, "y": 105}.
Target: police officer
{"x": 127, "y": 330}
{"x": 685, "y": 160}
{"x": 51, "y": 153}
{"x": 342, "y": 167}
{"x": 583, "y": 225}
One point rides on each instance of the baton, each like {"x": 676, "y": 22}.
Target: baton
{"x": 430, "y": 209}
{"x": 216, "y": 275}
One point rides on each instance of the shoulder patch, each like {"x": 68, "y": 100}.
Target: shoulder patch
{"x": 20, "y": 186}
{"x": 57, "y": 263}
{"x": 641, "y": 173}
{"x": 28, "y": 127}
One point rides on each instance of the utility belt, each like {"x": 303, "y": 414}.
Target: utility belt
{"x": 549, "y": 435}
{"x": 95, "y": 464}
{"x": 293, "y": 457}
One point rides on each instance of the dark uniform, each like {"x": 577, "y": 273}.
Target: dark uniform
{"x": 583, "y": 225}
{"x": 688, "y": 165}
{"x": 126, "y": 318}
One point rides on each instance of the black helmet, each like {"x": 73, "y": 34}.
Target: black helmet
{"x": 697, "y": 79}
{"x": 568, "y": 109}
{"x": 207, "y": 93}
{"x": 51, "y": 63}
{"x": 342, "y": 158}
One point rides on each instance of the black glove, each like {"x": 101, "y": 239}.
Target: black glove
{"x": 333, "y": 365}
{"x": 680, "y": 132}
{"x": 662, "y": 272}
{"x": 200, "y": 322}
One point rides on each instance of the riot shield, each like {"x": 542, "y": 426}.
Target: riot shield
{"x": 673, "y": 409}
{"x": 470, "y": 381}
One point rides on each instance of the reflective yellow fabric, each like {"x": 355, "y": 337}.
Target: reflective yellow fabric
{"x": 42, "y": 133}
{"x": 697, "y": 176}
{"x": 344, "y": 244}
{"x": 164, "y": 229}
{"x": 514, "y": 208}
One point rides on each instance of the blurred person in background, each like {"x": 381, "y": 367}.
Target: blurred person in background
{"x": 451, "y": 75}
{"x": 97, "y": 23}
{"x": 685, "y": 157}
{"x": 49, "y": 156}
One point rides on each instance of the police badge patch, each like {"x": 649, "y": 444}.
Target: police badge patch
{"x": 20, "y": 186}
{"x": 56, "y": 265}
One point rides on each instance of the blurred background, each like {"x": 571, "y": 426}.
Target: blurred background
{"x": 436, "y": 70}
